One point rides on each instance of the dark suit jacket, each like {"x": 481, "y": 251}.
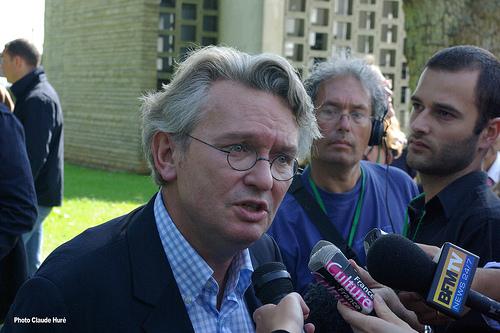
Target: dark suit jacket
{"x": 114, "y": 278}
{"x": 39, "y": 110}
{"x": 17, "y": 207}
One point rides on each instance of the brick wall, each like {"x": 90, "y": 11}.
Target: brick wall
{"x": 101, "y": 57}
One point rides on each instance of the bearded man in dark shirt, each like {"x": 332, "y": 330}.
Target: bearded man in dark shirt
{"x": 454, "y": 121}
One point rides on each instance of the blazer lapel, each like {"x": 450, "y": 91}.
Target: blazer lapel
{"x": 252, "y": 301}
{"x": 169, "y": 314}
{"x": 152, "y": 277}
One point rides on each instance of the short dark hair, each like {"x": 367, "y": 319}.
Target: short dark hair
{"x": 467, "y": 57}
{"x": 24, "y": 49}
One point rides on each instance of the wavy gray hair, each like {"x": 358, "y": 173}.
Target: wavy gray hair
{"x": 355, "y": 67}
{"x": 177, "y": 108}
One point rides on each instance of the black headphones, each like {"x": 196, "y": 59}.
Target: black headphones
{"x": 378, "y": 130}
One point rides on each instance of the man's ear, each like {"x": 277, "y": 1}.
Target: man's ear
{"x": 163, "y": 148}
{"x": 18, "y": 61}
{"x": 490, "y": 133}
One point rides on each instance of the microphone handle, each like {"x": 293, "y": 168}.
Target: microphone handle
{"x": 485, "y": 305}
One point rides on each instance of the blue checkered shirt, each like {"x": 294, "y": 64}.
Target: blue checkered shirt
{"x": 197, "y": 286}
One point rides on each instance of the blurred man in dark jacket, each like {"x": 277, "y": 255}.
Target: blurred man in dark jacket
{"x": 17, "y": 207}
{"x": 39, "y": 111}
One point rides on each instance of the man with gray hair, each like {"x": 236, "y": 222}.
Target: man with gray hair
{"x": 222, "y": 140}
{"x": 338, "y": 197}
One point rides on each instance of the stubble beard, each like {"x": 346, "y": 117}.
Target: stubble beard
{"x": 450, "y": 158}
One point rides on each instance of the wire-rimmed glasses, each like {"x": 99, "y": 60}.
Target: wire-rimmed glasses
{"x": 242, "y": 158}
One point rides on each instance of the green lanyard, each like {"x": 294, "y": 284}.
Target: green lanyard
{"x": 407, "y": 221}
{"x": 355, "y": 221}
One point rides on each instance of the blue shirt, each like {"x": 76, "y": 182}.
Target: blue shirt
{"x": 197, "y": 286}
{"x": 296, "y": 234}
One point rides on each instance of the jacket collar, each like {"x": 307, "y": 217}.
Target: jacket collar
{"x": 21, "y": 87}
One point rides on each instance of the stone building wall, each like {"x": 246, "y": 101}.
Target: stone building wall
{"x": 101, "y": 57}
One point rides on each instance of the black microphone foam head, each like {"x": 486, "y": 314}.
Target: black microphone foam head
{"x": 323, "y": 311}
{"x": 271, "y": 282}
{"x": 400, "y": 264}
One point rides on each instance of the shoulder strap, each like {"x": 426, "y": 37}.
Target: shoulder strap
{"x": 320, "y": 220}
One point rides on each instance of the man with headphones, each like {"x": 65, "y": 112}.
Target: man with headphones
{"x": 339, "y": 197}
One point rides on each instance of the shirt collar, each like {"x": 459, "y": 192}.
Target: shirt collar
{"x": 416, "y": 207}
{"x": 240, "y": 273}
{"x": 192, "y": 274}
{"x": 453, "y": 196}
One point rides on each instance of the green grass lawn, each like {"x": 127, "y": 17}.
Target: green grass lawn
{"x": 92, "y": 197}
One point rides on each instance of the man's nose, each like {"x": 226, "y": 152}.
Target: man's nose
{"x": 260, "y": 175}
{"x": 419, "y": 122}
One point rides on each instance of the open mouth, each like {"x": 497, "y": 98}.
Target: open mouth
{"x": 254, "y": 205}
{"x": 252, "y": 211}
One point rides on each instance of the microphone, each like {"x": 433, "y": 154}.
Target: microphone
{"x": 332, "y": 270}
{"x": 323, "y": 310}
{"x": 271, "y": 282}
{"x": 371, "y": 237}
{"x": 399, "y": 263}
